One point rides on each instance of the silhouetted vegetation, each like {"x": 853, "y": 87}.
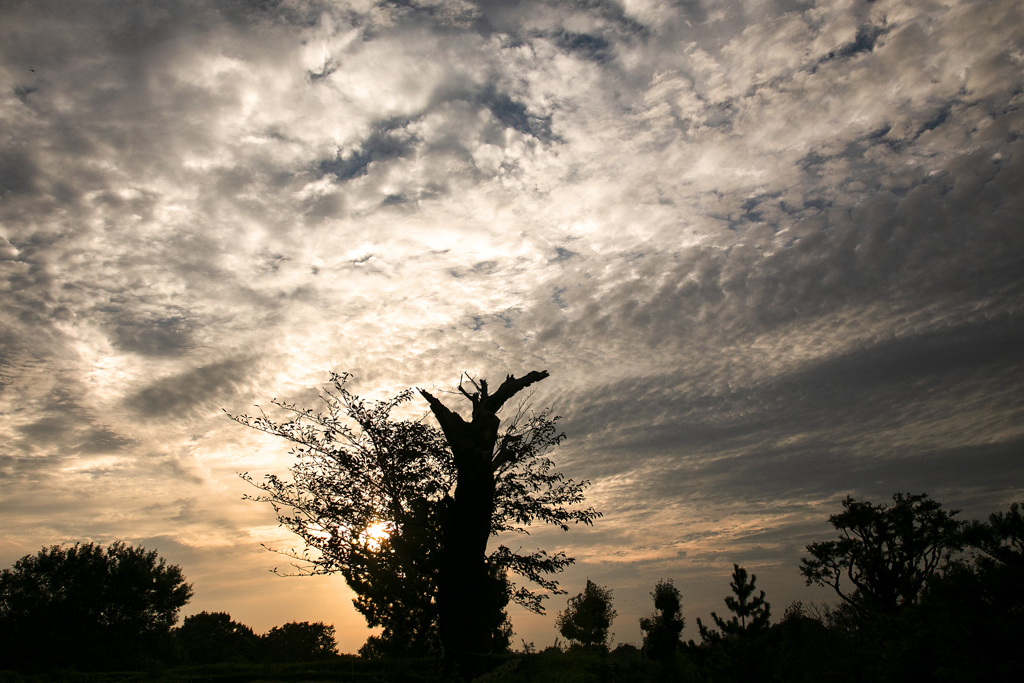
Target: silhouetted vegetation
{"x": 434, "y": 498}
{"x": 299, "y": 641}
{"x": 213, "y": 638}
{"x": 750, "y": 617}
{"x": 662, "y": 629}
{"x": 502, "y": 483}
{"x": 90, "y": 607}
{"x": 92, "y": 614}
{"x": 886, "y": 553}
{"x": 738, "y": 650}
{"x": 587, "y": 617}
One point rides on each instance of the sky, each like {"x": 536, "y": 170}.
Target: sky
{"x": 771, "y": 253}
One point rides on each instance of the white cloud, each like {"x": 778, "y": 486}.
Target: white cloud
{"x": 768, "y": 255}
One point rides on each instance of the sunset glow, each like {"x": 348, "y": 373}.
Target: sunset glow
{"x": 771, "y": 254}
{"x": 376, "y": 534}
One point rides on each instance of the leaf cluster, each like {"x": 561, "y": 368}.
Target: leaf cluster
{"x": 355, "y": 467}
{"x": 528, "y": 491}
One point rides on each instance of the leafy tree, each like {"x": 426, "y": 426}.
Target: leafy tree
{"x": 750, "y": 616}
{"x": 887, "y": 553}
{"x": 997, "y": 550}
{"x": 404, "y": 511}
{"x": 212, "y": 637}
{"x": 88, "y": 606}
{"x": 502, "y": 483}
{"x": 802, "y": 647}
{"x": 663, "y": 628}
{"x": 299, "y": 641}
{"x": 588, "y": 616}
{"x": 969, "y": 619}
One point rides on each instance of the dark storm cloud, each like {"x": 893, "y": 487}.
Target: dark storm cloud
{"x": 941, "y": 356}
{"x": 516, "y": 116}
{"x": 71, "y": 433}
{"x": 594, "y": 48}
{"x": 17, "y": 172}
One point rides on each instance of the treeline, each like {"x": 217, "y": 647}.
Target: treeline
{"x": 90, "y": 607}
{"x": 922, "y": 597}
{"x": 214, "y": 638}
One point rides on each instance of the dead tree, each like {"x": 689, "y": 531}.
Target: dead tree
{"x": 466, "y": 517}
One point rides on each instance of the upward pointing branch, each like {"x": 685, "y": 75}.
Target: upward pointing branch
{"x": 509, "y": 388}
{"x": 479, "y": 434}
{"x": 451, "y": 422}
{"x": 481, "y": 399}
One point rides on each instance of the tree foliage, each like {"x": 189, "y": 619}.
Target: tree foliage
{"x": 370, "y": 493}
{"x": 357, "y": 471}
{"x": 213, "y": 637}
{"x": 89, "y": 606}
{"x": 886, "y": 552}
{"x": 750, "y": 615}
{"x": 997, "y": 549}
{"x": 587, "y": 617}
{"x": 663, "y": 628}
{"x": 299, "y": 641}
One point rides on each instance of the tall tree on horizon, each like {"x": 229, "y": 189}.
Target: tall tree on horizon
{"x": 404, "y": 511}
{"x": 483, "y": 460}
{"x": 885, "y": 552}
{"x": 750, "y": 615}
{"x": 587, "y": 617}
{"x": 662, "y": 629}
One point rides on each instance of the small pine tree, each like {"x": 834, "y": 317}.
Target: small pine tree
{"x": 750, "y": 616}
{"x": 588, "y": 616}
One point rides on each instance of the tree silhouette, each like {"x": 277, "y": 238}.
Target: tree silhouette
{"x": 969, "y": 620}
{"x": 663, "y": 628}
{"x": 213, "y": 637}
{"x": 299, "y": 641}
{"x": 587, "y": 617}
{"x": 502, "y": 484}
{"x": 751, "y": 617}
{"x": 88, "y": 606}
{"x": 404, "y": 512}
{"x": 887, "y": 553}
{"x": 997, "y": 549}
{"x": 363, "y": 498}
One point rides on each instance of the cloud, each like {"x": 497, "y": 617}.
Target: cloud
{"x": 193, "y": 390}
{"x": 770, "y": 253}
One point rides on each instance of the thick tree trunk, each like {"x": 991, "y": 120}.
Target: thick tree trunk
{"x": 463, "y": 585}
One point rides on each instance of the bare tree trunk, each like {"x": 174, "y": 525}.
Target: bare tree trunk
{"x": 463, "y": 592}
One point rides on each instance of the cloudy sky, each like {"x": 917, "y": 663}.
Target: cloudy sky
{"x": 771, "y": 252}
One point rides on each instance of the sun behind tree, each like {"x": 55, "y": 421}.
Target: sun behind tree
{"x": 404, "y": 511}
